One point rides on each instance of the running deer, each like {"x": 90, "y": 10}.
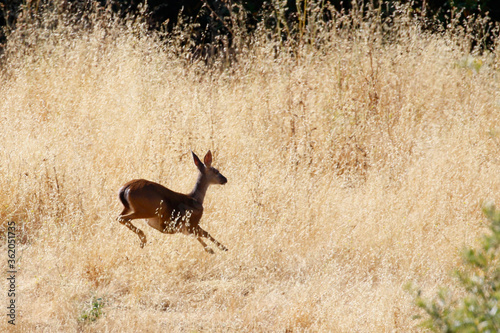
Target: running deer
{"x": 167, "y": 211}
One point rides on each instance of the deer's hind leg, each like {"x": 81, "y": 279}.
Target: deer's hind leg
{"x": 126, "y": 220}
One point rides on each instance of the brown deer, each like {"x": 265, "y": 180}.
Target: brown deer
{"x": 167, "y": 211}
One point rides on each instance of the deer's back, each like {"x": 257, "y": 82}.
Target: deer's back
{"x": 147, "y": 195}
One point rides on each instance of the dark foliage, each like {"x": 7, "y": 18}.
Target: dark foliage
{"x": 211, "y": 16}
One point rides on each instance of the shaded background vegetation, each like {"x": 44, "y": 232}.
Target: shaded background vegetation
{"x": 212, "y": 17}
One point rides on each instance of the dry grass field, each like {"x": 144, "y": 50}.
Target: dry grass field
{"x": 355, "y": 165}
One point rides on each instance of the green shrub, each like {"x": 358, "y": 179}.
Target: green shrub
{"x": 476, "y": 309}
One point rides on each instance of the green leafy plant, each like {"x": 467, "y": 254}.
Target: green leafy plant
{"x": 94, "y": 311}
{"x": 477, "y": 307}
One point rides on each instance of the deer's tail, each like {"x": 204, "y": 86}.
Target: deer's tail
{"x": 121, "y": 194}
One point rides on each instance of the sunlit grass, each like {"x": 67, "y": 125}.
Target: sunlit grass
{"x": 353, "y": 167}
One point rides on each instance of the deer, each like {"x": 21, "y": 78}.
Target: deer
{"x": 167, "y": 211}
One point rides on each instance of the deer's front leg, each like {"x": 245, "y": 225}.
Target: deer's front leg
{"x": 205, "y": 246}
{"x": 199, "y": 232}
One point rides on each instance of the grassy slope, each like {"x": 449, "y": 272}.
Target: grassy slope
{"x": 353, "y": 169}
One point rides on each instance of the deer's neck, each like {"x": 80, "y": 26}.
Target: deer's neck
{"x": 200, "y": 189}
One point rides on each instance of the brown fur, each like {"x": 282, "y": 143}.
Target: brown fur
{"x": 168, "y": 211}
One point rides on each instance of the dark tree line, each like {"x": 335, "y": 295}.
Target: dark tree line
{"x": 211, "y": 15}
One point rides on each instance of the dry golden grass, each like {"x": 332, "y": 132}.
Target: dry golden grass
{"x": 353, "y": 168}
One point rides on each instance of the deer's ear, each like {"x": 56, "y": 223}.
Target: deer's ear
{"x": 208, "y": 159}
{"x": 197, "y": 162}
